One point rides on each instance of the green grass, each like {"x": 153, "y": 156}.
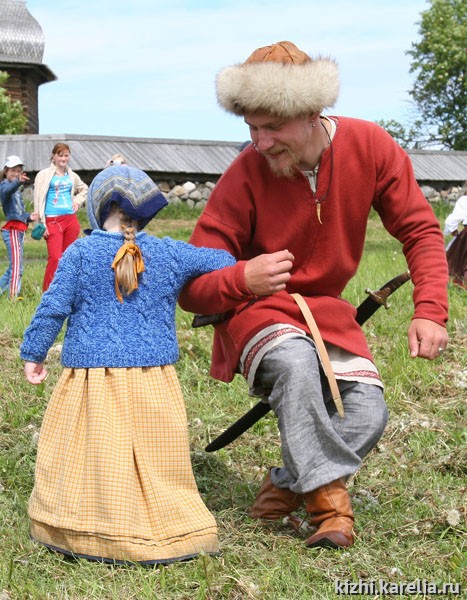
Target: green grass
{"x": 409, "y": 496}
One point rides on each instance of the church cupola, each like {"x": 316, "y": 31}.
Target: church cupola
{"x": 21, "y": 53}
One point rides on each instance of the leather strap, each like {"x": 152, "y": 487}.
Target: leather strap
{"x": 322, "y": 352}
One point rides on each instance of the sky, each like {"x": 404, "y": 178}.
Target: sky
{"x": 147, "y": 68}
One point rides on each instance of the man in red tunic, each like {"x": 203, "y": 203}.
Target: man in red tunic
{"x": 293, "y": 209}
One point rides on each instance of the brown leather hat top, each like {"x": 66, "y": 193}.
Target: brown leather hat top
{"x": 281, "y": 52}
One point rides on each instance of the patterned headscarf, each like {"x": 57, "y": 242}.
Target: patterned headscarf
{"x": 130, "y": 188}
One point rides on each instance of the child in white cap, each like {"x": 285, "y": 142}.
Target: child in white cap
{"x": 114, "y": 480}
{"x": 17, "y": 219}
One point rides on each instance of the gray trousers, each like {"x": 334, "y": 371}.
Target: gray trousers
{"x": 317, "y": 445}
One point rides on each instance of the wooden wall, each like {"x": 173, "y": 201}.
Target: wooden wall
{"x": 23, "y": 85}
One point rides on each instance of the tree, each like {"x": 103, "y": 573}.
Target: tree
{"x": 12, "y": 118}
{"x": 406, "y": 137}
{"x": 440, "y": 61}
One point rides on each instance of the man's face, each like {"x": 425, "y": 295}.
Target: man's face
{"x": 282, "y": 143}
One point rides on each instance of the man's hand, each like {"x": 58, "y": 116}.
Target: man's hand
{"x": 268, "y": 273}
{"x": 427, "y": 339}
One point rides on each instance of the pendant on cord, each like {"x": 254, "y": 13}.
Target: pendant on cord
{"x": 318, "y": 211}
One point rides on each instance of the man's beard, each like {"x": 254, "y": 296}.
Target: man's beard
{"x": 290, "y": 170}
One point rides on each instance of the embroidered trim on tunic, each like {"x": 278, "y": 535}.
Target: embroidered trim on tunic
{"x": 362, "y": 373}
{"x": 346, "y": 366}
{"x": 266, "y": 340}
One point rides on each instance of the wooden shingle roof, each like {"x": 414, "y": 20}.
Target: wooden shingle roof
{"x": 154, "y": 155}
{"x": 439, "y": 165}
{"x": 197, "y": 159}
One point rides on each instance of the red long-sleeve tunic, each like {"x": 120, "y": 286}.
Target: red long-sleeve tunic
{"x": 252, "y": 212}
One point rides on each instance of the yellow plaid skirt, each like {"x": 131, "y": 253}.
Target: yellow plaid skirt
{"x": 113, "y": 478}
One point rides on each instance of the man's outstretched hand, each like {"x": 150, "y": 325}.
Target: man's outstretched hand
{"x": 268, "y": 273}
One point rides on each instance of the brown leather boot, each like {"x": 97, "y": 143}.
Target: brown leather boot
{"x": 331, "y": 512}
{"x": 274, "y": 503}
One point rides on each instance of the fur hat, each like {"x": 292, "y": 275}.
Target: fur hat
{"x": 279, "y": 80}
{"x": 130, "y": 188}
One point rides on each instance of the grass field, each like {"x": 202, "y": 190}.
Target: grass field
{"x": 409, "y": 496}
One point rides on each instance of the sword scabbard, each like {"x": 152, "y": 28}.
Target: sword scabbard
{"x": 364, "y": 311}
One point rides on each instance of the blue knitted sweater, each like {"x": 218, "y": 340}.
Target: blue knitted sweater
{"x": 101, "y": 331}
